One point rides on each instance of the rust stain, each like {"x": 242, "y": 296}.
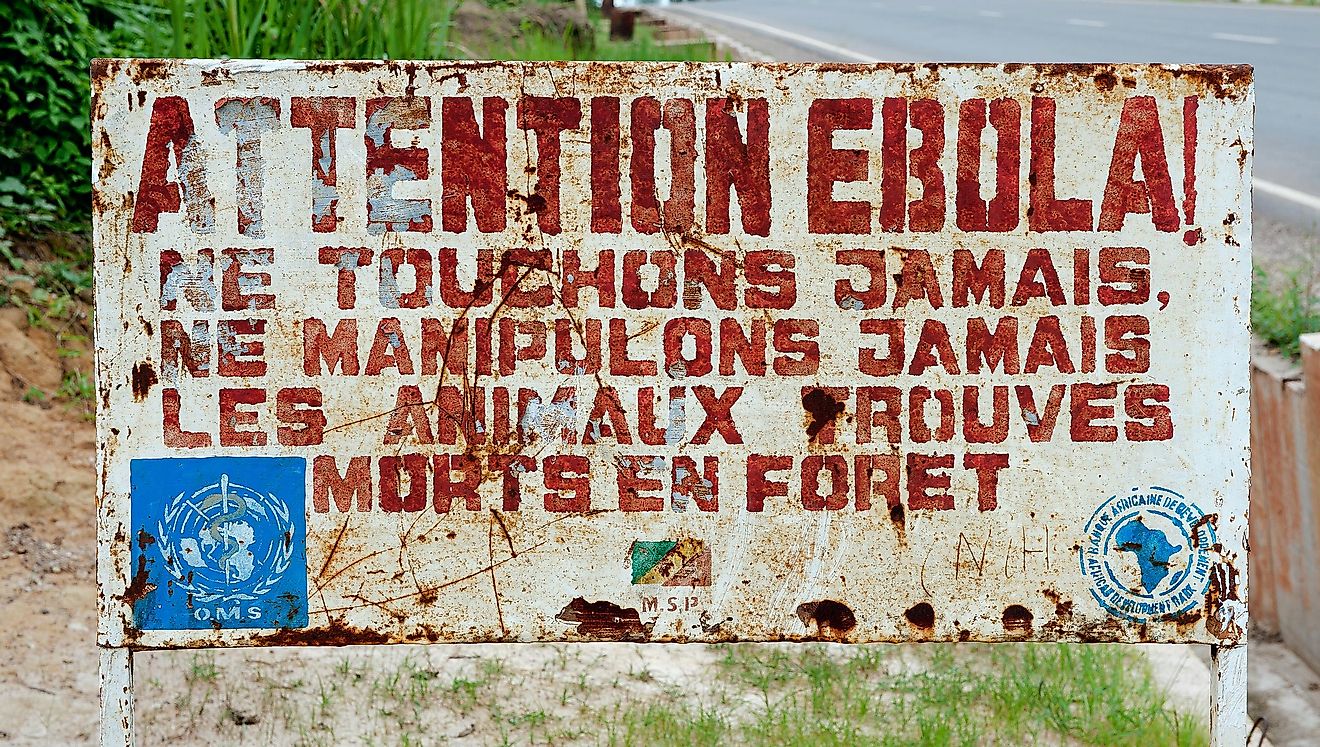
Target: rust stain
{"x": 921, "y": 615}
{"x": 605, "y": 621}
{"x": 1106, "y": 631}
{"x": 1211, "y": 519}
{"x": 100, "y": 70}
{"x": 833, "y": 620}
{"x": 139, "y": 587}
{"x": 336, "y": 634}
{"x": 1017, "y": 620}
{"x": 110, "y": 158}
{"x": 144, "y": 377}
{"x": 1186, "y": 621}
{"x": 145, "y": 71}
{"x": 1222, "y": 603}
{"x": 822, "y": 410}
{"x": 216, "y": 76}
{"x": 334, "y": 548}
{"x": 1063, "y": 608}
{"x": 899, "y": 518}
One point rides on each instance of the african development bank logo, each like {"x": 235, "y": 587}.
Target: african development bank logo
{"x": 223, "y": 541}
{"x": 1147, "y": 554}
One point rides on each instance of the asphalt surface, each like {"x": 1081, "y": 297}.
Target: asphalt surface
{"x": 1283, "y": 43}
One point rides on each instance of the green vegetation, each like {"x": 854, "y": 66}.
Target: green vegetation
{"x": 756, "y": 694}
{"x": 77, "y": 386}
{"x": 53, "y": 286}
{"x": 1284, "y": 309}
{"x": 45, "y": 47}
{"x": 1028, "y": 694}
{"x": 303, "y": 29}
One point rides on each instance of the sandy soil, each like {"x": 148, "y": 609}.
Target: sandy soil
{"x": 48, "y": 678}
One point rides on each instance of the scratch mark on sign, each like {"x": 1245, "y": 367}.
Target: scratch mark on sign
{"x": 494, "y": 584}
{"x": 451, "y": 582}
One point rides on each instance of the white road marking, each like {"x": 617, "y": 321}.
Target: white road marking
{"x": 1249, "y": 7}
{"x": 1287, "y": 193}
{"x": 823, "y": 46}
{"x": 990, "y": 14}
{"x": 1247, "y": 38}
{"x": 1088, "y": 22}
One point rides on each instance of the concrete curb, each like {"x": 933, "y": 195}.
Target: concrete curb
{"x": 724, "y": 44}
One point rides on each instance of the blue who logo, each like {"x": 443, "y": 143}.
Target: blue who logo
{"x": 223, "y": 542}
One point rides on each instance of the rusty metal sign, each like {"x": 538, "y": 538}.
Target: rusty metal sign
{"x": 671, "y": 352}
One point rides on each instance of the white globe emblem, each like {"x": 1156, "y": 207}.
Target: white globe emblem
{"x": 226, "y": 541}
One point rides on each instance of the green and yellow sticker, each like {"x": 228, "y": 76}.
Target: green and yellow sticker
{"x": 681, "y": 562}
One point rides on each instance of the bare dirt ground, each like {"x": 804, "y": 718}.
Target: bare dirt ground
{"x": 48, "y": 678}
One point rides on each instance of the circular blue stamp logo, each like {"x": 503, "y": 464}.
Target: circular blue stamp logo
{"x": 1147, "y": 554}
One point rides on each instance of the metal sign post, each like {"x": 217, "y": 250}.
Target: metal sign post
{"x": 416, "y": 352}
{"x": 1229, "y": 723}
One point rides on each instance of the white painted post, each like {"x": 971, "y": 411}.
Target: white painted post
{"x": 1228, "y": 696}
{"x": 116, "y": 697}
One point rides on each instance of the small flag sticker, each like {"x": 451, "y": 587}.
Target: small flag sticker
{"x": 682, "y": 562}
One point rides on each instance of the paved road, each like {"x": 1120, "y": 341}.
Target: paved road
{"x": 1282, "y": 43}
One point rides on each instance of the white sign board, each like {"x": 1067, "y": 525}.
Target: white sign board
{"x": 671, "y": 352}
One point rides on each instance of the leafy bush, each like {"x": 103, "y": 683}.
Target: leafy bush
{"x": 1283, "y": 311}
{"x": 45, "y": 49}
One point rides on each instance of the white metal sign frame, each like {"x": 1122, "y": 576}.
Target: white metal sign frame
{"x": 409, "y": 352}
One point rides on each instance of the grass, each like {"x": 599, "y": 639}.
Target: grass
{"x": 1284, "y": 308}
{"x": 304, "y": 29}
{"x": 775, "y": 695}
{"x": 357, "y": 30}
{"x": 1031, "y": 694}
